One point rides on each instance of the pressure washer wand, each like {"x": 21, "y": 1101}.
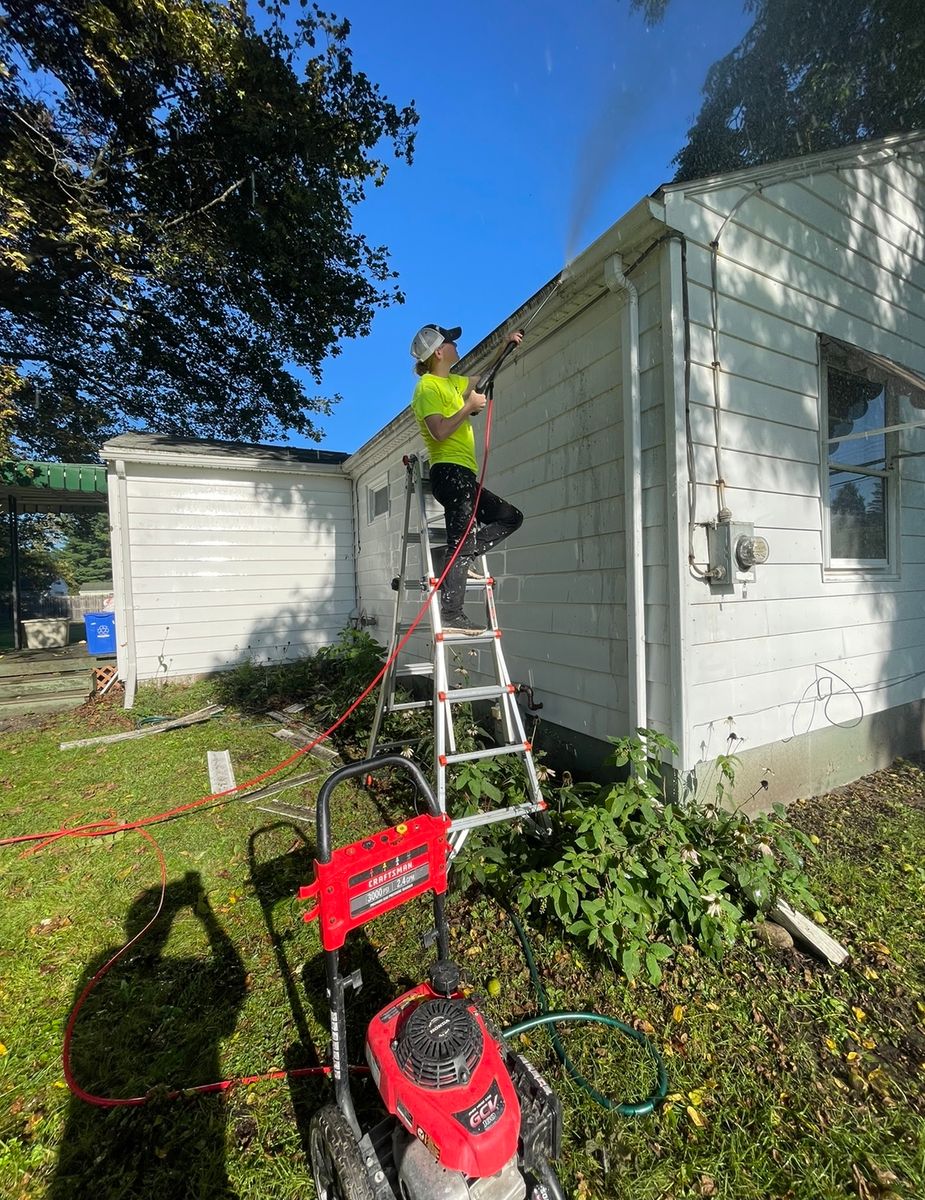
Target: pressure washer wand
{"x": 489, "y": 377}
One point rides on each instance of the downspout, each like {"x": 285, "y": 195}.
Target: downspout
{"x": 122, "y": 581}
{"x": 617, "y": 282}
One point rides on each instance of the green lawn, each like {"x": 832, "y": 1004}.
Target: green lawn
{"x": 788, "y": 1080}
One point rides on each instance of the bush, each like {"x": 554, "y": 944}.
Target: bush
{"x": 633, "y": 876}
{"x": 327, "y": 682}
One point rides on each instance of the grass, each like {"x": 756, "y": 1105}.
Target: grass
{"x": 788, "y": 1080}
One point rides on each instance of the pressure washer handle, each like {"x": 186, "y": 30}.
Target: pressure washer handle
{"x": 366, "y": 767}
{"x": 489, "y": 377}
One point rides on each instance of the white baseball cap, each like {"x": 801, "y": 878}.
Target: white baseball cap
{"x": 430, "y": 338}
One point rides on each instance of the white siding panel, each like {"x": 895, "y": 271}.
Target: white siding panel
{"x": 255, "y": 563}
{"x": 557, "y": 454}
{"x": 793, "y": 650}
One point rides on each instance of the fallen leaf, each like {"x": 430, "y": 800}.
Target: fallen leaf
{"x": 707, "y": 1185}
{"x": 884, "y": 1177}
{"x": 695, "y": 1117}
{"x": 859, "y": 1013}
{"x": 3, "y": 1049}
{"x": 678, "y": 1014}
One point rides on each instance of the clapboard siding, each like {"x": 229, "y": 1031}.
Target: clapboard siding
{"x": 226, "y": 565}
{"x": 839, "y": 253}
{"x": 557, "y": 453}
{"x": 806, "y": 252}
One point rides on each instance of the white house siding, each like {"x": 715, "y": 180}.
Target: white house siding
{"x": 225, "y": 562}
{"x": 557, "y": 453}
{"x": 836, "y": 252}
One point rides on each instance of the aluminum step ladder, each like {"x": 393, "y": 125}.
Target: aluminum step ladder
{"x": 416, "y": 577}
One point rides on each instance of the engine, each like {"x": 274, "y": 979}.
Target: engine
{"x": 442, "y": 1074}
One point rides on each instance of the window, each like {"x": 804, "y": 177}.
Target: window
{"x": 377, "y": 496}
{"x": 862, "y": 399}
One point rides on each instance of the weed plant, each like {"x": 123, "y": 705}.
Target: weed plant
{"x": 632, "y": 875}
{"x": 327, "y": 682}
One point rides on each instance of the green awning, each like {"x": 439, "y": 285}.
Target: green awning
{"x": 28, "y": 477}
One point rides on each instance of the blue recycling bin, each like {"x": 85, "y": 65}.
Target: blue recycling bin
{"x": 101, "y": 632}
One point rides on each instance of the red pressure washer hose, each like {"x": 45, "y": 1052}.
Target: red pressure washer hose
{"x": 105, "y": 828}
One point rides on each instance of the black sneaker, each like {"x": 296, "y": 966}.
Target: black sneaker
{"x": 462, "y": 624}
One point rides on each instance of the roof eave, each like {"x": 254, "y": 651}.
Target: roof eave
{"x": 857, "y": 153}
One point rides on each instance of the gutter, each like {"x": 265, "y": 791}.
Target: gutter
{"x": 618, "y": 283}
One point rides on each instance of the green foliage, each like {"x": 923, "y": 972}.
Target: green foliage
{"x": 327, "y": 681}
{"x": 633, "y": 876}
{"x": 39, "y": 558}
{"x": 86, "y": 555}
{"x": 808, "y": 78}
{"x": 176, "y": 216}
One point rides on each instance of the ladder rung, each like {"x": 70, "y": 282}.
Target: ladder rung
{"x": 418, "y": 668}
{"x": 495, "y": 815}
{"x": 491, "y": 752}
{"x": 488, "y": 636}
{"x": 407, "y": 705}
{"x": 491, "y": 692}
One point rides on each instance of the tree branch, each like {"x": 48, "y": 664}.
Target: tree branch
{"x": 196, "y": 211}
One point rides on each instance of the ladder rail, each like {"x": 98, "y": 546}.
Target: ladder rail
{"x": 446, "y": 751}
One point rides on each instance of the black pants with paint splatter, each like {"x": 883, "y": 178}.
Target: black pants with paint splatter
{"x": 455, "y": 488}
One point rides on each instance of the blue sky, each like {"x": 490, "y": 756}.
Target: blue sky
{"x": 540, "y": 125}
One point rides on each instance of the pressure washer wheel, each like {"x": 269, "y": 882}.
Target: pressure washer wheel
{"x": 336, "y": 1163}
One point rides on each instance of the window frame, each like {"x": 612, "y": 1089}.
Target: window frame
{"x": 374, "y": 489}
{"x": 841, "y": 357}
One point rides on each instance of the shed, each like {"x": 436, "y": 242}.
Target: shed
{"x": 225, "y": 551}
{"x": 734, "y": 371}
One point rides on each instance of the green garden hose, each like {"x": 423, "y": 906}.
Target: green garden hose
{"x": 639, "y": 1108}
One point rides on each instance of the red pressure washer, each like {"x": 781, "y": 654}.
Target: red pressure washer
{"x": 467, "y": 1117}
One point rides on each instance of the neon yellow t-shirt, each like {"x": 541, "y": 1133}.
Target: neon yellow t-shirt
{"x": 444, "y": 397}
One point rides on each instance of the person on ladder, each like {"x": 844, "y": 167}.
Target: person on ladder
{"x": 443, "y": 403}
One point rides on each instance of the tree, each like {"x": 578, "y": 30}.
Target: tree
{"x": 176, "y": 210}
{"x": 39, "y": 557}
{"x": 807, "y": 78}
{"x": 86, "y": 555}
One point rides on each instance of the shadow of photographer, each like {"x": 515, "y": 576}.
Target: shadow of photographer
{"x": 277, "y": 879}
{"x": 154, "y": 1022}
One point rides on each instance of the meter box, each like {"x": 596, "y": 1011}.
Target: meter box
{"x": 734, "y": 550}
